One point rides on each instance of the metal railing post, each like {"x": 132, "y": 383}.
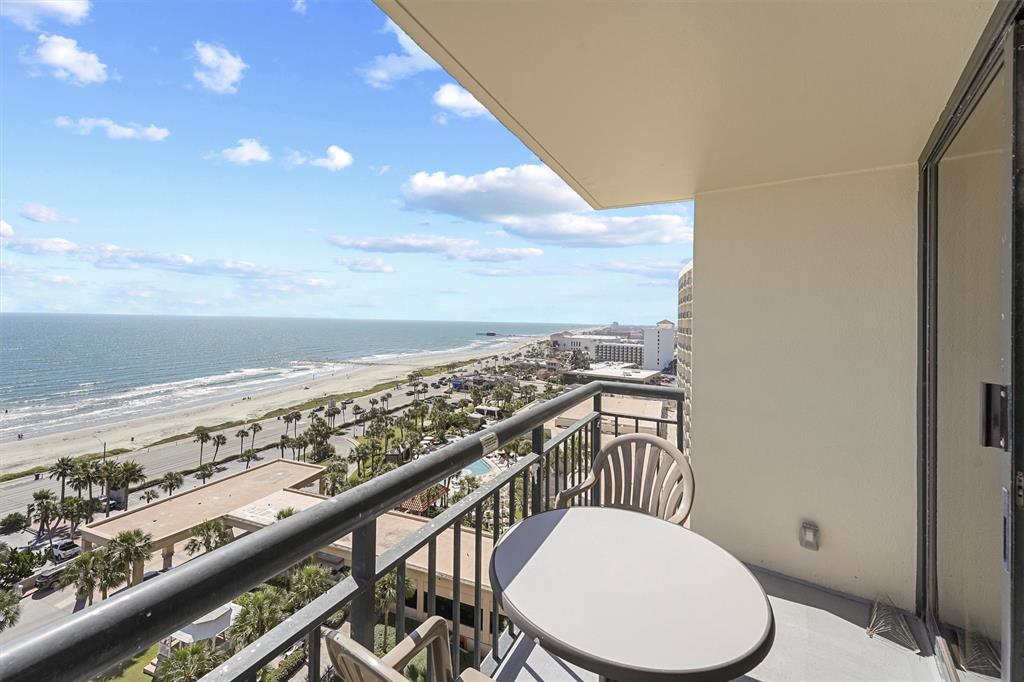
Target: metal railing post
{"x": 595, "y": 447}
{"x": 313, "y": 654}
{"x": 364, "y": 569}
{"x": 538, "y": 447}
{"x": 680, "y": 436}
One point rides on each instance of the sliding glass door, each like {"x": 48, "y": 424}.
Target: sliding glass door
{"x": 972, "y": 488}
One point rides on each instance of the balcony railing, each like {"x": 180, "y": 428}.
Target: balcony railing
{"x": 89, "y": 642}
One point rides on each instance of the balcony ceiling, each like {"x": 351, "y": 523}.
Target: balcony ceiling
{"x": 643, "y": 102}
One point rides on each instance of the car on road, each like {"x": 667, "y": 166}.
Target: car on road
{"x": 410, "y": 392}
{"x": 50, "y": 575}
{"x": 149, "y": 575}
{"x": 347, "y": 402}
{"x": 107, "y": 503}
{"x": 66, "y": 549}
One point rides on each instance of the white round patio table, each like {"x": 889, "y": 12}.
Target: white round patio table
{"x": 631, "y": 597}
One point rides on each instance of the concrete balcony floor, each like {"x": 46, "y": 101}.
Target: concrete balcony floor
{"x": 819, "y": 636}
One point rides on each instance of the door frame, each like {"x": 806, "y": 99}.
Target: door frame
{"x": 1001, "y": 46}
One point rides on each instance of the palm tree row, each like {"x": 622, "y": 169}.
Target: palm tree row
{"x": 82, "y": 474}
{"x": 107, "y": 567}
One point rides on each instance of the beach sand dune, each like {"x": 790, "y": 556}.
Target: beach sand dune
{"x": 20, "y": 455}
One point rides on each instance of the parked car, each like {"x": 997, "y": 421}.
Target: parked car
{"x": 410, "y": 392}
{"x": 66, "y": 549}
{"x": 108, "y": 503}
{"x": 149, "y": 575}
{"x": 49, "y": 576}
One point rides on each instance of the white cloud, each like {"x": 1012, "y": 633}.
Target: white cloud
{"x": 58, "y": 279}
{"x": 453, "y": 248}
{"x": 388, "y": 68}
{"x": 458, "y": 101}
{"x": 652, "y": 270}
{"x": 408, "y": 243}
{"x": 248, "y": 151}
{"x": 115, "y": 131}
{"x": 528, "y": 190}
{"x": 219, "y": 70}
{"x": 596, "y": 230}
{"x": 335, "y": 159}
{"x": 374, "y": 264}
{"x": 30, "y": 14}
{"x": 39, "y": 213}
{"x": 5, "y": 229}
{"x": 499, "y": 255}
{"x": 299, "y": 6}
{"x": 46, "y": 245}
{"x": 532, "y": 202}
{"x": 66, "y": 61}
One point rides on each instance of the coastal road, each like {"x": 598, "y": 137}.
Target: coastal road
{"x": 16, "y": 495}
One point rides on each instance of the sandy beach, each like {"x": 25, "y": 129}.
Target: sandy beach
{"x": 20, "y": 455}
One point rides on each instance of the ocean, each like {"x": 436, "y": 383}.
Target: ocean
{"x": 64, "y": 372}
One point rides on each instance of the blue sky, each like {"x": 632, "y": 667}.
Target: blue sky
{"x": 288, "y": 158}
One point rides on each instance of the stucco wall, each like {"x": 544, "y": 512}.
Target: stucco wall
{"x": 805, "y": 363}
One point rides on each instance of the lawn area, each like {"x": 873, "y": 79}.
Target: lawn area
{"x": 131, "y": 670}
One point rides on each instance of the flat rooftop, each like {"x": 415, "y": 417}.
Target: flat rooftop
{"x": 172, "y": 519}
{"x": 634, "y": 407}
{"x": 392, "y": 528}
{"x": 617, "y": 373}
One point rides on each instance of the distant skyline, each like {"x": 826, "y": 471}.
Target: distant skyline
{"x": 289, "y": 158}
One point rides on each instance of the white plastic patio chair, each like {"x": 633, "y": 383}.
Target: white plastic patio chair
{"x": 355, "y": 663}
{"x": 640, "y": 472}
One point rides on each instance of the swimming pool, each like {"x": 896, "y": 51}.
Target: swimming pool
{"x": 479, "y": 468}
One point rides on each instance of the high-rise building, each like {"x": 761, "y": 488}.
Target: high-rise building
{"x": 658, "y": 345}
{"x": 684, "y": 348}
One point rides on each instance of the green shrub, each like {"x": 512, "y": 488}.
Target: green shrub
{"x": 290, "y": 665}
{"x": 13, "y": 522}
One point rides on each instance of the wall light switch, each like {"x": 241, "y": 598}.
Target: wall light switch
{"x": 809, "y": 535}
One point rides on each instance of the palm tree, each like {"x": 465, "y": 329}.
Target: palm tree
{"x": 262, "y": 610}
{"x": 131, "y": 548}
{"x": 287, "y": 421}
{"x": 248, "y": 457}
{"x": 218, "y": 440}
{"x": 357, "y": 413}
{"x": 308, "y": 582}
{"x": 63, "y": 468}
{"x": 386, "y": 399}
{"x": 241, "y": 435}
{"x": 150, "y": 495}
{"x": 189, "y": 663}
{"x": 284, "y": 442}
{"x": 10, "y": 609}
{"x": 385, "y": 594}
{"x": 208, "y": 536}
{"x": 336, "y": 475}
{"x": 296, "y": 418}
{"x": 254, "y": 428}
{"x": 202, "y": 436}
{"x": 171, "y": 481}
{"x": 108, "y": 472}
{"x": 204, "y": 472}
{"x": 82, "y": 573}
{"x": 130, "y": 473}
{"x": 108, "y": 569}
{"x": 74, "y": 511}
{"x": 45, "y": 511}
{"x": 80, "y": 478}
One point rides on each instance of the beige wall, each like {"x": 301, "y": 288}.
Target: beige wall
{"x": 805, "y": 366}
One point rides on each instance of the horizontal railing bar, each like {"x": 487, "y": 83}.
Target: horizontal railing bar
{"x": 84, "y": 644}
{"x": 660, "y": 420}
